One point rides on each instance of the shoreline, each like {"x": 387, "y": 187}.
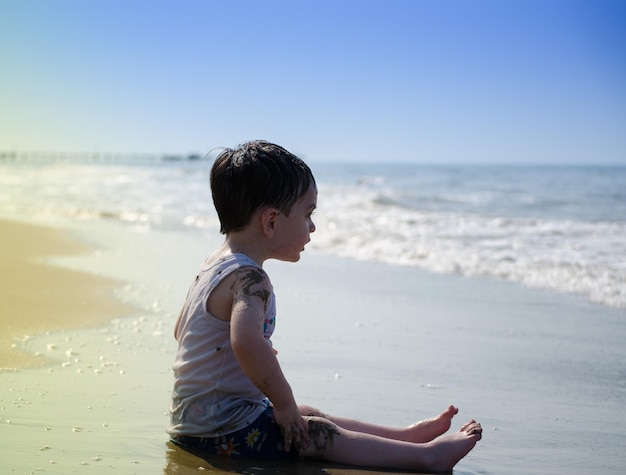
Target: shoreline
{"x": 38, "y": 297}
{"x": 359, "y": 339}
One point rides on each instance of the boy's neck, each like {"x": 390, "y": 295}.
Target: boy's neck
{"x": 254, "y": 239}
{"x": 236, "y": 243}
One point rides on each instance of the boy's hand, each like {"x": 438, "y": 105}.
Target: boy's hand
{"x": 293, "y": 426}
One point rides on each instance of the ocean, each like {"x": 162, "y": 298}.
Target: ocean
{"x": 500, "y": 289}
{"x": 560, "y": 228}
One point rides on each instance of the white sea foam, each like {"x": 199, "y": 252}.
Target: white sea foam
{"x": 562, "y": 229}
{"x": 564, "y": 255}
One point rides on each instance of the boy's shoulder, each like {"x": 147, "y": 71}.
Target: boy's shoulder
{"x": 240, "y": 271}
{"x": 241, "y": 281}
{"x": 251, "y": 279}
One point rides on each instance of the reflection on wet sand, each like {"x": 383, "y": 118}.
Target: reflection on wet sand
{"x": 182, "y": 462}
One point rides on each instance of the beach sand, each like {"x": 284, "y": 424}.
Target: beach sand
{"x": 544, "y": 373}
{"x": 36, "y": 297}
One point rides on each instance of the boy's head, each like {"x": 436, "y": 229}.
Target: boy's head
{"x": 253, "y": 175}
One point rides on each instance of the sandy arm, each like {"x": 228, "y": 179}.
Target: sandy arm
{"x": 251, "y": 291}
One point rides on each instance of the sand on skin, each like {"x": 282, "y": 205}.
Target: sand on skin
{"x": 36, "y": 297}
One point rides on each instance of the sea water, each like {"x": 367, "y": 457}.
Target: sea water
{"x": 543, "y": 372}
{"x": 561, "y": 228}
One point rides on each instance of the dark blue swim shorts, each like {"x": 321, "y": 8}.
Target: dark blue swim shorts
{"x": 261, "y": 439}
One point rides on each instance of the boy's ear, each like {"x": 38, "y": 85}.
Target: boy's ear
{"x": 268, "y": 221}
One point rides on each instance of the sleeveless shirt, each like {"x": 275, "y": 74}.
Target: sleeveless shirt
{"x": 212, "y": 395}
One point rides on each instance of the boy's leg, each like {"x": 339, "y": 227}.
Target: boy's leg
{"x": 422, "y": 431}
{"x": 330, "y": 442}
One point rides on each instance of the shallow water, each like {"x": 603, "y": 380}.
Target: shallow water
{"x": 544, "y": 373}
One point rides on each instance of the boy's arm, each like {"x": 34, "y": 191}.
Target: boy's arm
{"x": 251, "y": 291}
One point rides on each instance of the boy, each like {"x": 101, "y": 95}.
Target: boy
{"x": 230, "y": 396}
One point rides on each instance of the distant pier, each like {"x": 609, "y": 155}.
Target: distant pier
{"x": 105, "y": 157}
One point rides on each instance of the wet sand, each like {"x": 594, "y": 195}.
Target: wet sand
{"x": 36, "y": 297}
{"x": 542, "y": 372}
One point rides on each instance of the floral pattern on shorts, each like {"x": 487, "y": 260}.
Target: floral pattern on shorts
{"x": 261, "y": 439}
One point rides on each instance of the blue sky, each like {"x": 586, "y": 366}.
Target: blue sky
{"x": 473, "y": 81}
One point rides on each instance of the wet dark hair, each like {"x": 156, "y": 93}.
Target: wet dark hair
{"x": 256, "y": 174}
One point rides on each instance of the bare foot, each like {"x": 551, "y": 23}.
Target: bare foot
{"x": 448, "y": 449}
{"x": 429, "y": 429}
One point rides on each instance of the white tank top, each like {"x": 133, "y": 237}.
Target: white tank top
{"x": 212, "y": 395}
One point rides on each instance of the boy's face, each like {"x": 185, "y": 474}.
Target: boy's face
{"x": 293, "y": 231}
